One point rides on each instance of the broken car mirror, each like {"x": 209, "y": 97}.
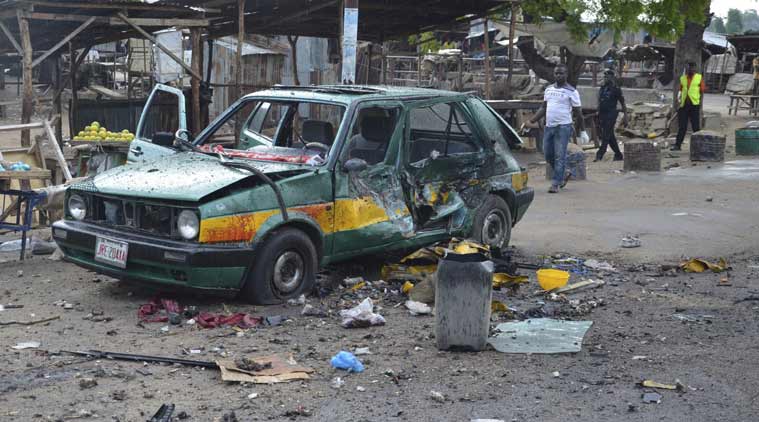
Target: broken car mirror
{"x": 183, "y": 134}
{"x": 164, "y": 139}
{"x": 355, "y": 165}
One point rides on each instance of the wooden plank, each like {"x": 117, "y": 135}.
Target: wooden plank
{"x": 106, "y": 92}
{"x": 159, "y": 45}
{"x": 120, "y": 6}
{"x": 300, "y": 14}
{"x": 197, "y": 64}
{"x": 21, "y": 175}
{"x": 27, "y": 106}
{"x": 23, "y": 126}
{"x": 63, "y": 42}
{"x": 11, "y": 38}
{"x": 58, "y": 153}
{"x": 238, "y": 61}
{"x": 107, "y": 20}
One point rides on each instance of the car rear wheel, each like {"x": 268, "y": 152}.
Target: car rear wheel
{"x": 492, "y": 223}
{"x": 284, "y": 268}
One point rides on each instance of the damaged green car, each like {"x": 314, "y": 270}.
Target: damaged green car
{"x": 293, "y": 178}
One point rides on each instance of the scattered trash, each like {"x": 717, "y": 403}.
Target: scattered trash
{"x": 39, "y": 321}
{"x": 309, "y": 310}
{"x": 360, "y": 389}
{"x": 599, "y": 265}
{"x": 501, "y": 280}
{"x": 346, "y": 360}
{"x": 556, "y": 374}
{"x": 119, "y": 395}
{"x": 652, "y": 398}
{"x": 693, "y": 318}
{"x": 362, "y": 351}
{"x": 437, "y": 396}
{"x": 352, "y": 281}
{"x": 86, "y": 383}
{"x": 709, "y": 199}
{"x": 163, "y": 414}
{"x": 26, "y": 345}
{"x": 418, "y": 308}
{"x": 337, "y": 382}
{"x": 684, "y": 214}
{"x": 550, "y": 279}
{"x": 407, "y": 286}
{"x": 639, "y": 357}
{"x": 540, "y": 335}
{"x": 273, "y": 369}
{"x": 700, "y": 265}
{"x": 630, "y": 242}
{"x": 252, "y": 396}
{"x": 653, "y": 384}
{"x": 587, "y": 284}
{"x": 361, "y": 316}
{"x": 498, "y": 306}
{"x": 97, "y": 354}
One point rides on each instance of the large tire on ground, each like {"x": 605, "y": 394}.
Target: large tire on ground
{"x": 284, "y": 267}
{"x": 492, "y": 223}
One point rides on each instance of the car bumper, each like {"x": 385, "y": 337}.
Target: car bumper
{"x": 156, "y": 261}
{"x": 523, "y": 199}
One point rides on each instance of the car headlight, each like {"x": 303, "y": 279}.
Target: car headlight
{"x": 188, "y": 224}
{"x": 77, "y": 207}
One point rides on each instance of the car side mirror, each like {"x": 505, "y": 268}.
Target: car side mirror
{"x": 164, "y": 139}
{"x": 355, "y": 165}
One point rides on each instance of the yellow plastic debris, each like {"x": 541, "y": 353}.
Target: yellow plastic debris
{"x": 697, "y": 265}
{"x": 505, "y": 280}
{"x": 498, "y": 306}
{"x": 653, "y": 384}
{"x": 467, "y": 247}
{"x": 550, "y": 279}
{"x": 407, "y": 286}
{"x": 358, "y": 286}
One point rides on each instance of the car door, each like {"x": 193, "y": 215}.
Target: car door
{"x": 164, "y": 113}
{"x": 370, "y": 207}
{"x": 445, "y": 162}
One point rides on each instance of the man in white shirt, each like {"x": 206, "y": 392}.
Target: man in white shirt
{"x": 560, "y": 101}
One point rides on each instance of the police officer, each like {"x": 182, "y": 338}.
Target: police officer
{"x": 692, "y": 88}
{"x": 608, "y": 96}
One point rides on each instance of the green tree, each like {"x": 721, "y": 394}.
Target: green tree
{"x": 750, "y": 20}
{"x": 717, "y": 25}
{"x": 734, "y": 23}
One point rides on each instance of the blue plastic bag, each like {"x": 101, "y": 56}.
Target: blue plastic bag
{"x": 20, "y": 166}
{"x": 346, "y": 360}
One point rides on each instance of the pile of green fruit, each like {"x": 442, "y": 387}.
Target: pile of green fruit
{"x": 94, "y": 132}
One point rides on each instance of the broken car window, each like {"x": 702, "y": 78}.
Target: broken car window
{"x": 161, "y": 115}
{"x": 371, "y": 133}
{"x": 495, "y": 131}
{"x": 439, "y": 130}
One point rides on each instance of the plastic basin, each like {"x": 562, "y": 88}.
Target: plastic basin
{"x": 550, "y": 279}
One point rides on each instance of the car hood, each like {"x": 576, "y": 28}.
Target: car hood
{"x": 183, "y": 177}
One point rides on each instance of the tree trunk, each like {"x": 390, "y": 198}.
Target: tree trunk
{"x": 688, "y": 49}
{"x": 544, "y": 67}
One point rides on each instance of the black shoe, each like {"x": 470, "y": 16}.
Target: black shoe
{"x": 619, "y": 157}
{"x": 567, "y": 175}
{"x": 675, "y": 148}
{"x": 597, "y": 159}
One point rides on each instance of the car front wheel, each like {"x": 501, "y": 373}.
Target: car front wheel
{"x": 492, "y": 223}
{"x": 285, "y": 267}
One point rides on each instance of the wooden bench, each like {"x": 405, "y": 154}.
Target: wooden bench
{"x": 743, "y": 102}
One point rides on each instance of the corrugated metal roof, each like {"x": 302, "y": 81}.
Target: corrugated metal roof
{"x": 248, "y": 48}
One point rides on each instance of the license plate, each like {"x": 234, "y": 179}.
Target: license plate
{"x": 111, "y": 252}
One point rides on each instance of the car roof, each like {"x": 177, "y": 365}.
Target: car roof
{"x": 348, "y": 94}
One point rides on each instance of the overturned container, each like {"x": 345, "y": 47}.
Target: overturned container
{"x": 462, "y": 302}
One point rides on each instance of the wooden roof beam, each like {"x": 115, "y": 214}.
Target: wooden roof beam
{"x": 11, "y": 38}
{"x": 121, "y": 6}
{"x": 107, "y": 20}
{"x": 63, "y": 42}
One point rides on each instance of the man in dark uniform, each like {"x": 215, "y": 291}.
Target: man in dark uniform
{"x": 608, "y": 96}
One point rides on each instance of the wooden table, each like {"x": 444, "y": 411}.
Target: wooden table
{"x": 743, "y": 102}
{"x": 22, "y": 201}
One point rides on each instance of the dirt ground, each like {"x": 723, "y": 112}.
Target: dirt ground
{"x": 651, "y": 323}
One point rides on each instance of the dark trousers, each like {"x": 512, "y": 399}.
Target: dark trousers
{"x": 687, "y": 112}
{"x": 608, "y": 139}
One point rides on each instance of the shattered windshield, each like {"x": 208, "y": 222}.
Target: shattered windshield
{"x": 274, "y": 130}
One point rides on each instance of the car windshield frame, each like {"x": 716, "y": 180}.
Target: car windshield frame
{"x": 221, "y": 119}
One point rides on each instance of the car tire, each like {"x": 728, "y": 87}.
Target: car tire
{"x": 492, "y": 222}
{"x": 284, "y": 268}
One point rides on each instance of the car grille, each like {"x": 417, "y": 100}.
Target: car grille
{"x": 118, "y": 212}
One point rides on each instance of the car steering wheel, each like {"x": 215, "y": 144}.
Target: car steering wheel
{"x": 318, "y": 145}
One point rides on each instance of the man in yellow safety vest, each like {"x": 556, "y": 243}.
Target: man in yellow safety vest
{"x": 692, "y": 88}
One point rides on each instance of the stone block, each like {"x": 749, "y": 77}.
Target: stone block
{"x": 642, "y": 155}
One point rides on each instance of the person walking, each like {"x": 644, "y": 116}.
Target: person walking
{"x": 608, "y": 96}
{"x": 560, "y": 101}
{"x": 692, "y": 88}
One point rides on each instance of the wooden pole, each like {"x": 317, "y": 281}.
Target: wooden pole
{"x": 10, "y": 37}
{"x": 27, "y": 107}
{"x": 512, "y": 29}
{"x": 197, "y": 65}
{"x": 57, "y": 106}
{"x": 488, "y": 74}
{"x": 294, "y": 56}
{"x": 240, "y": 41}
{"x": 383, "y": 59}
{"x": 163, "y": 48}
{"x": 368, "y": 63}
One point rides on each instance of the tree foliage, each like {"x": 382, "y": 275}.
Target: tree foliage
{"x": 717, "y": 25}
{"x": 734, "y": 23}
{"x": 663, "y": 19}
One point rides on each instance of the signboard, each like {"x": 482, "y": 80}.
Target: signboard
{"x": 350, "y": 42}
